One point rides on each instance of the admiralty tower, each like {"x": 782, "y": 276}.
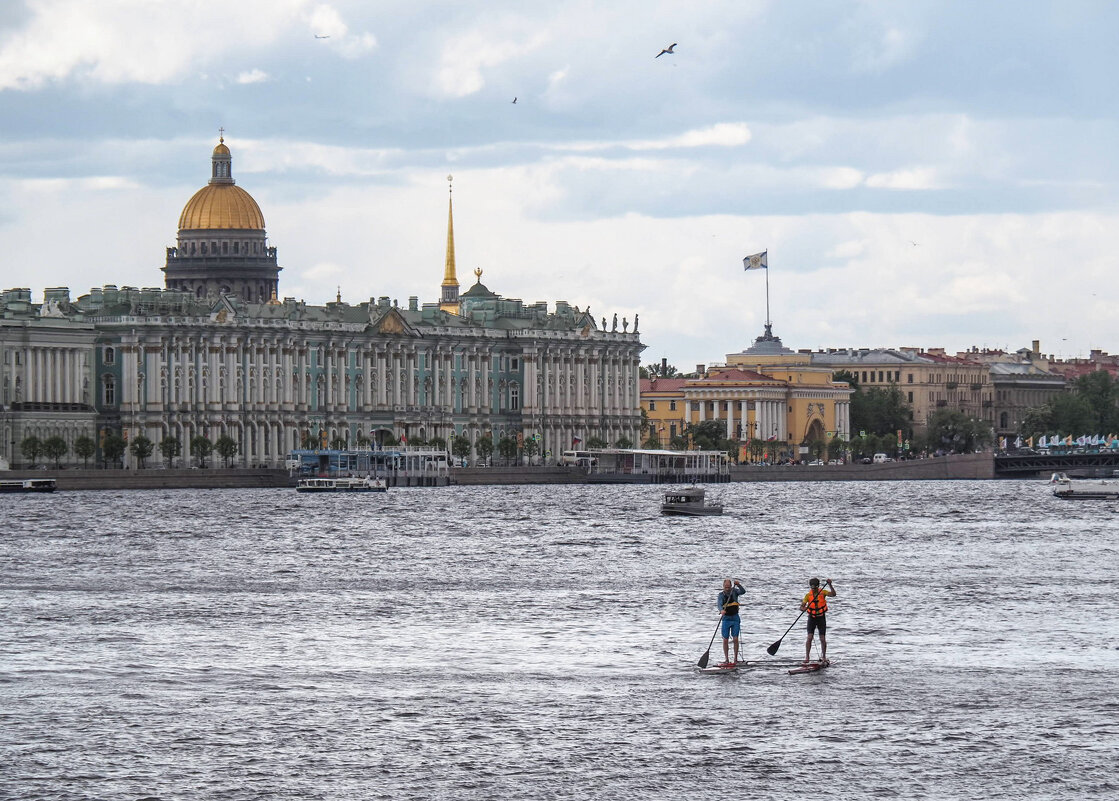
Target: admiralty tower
{"x": 222, "y": 246}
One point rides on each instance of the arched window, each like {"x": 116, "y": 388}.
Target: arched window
{"x": 110, "y": 356}
{"x": 110, "y": 391}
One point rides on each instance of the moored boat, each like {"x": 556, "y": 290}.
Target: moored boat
{"x": 28, "y": 485}
{"x": 1065, "y": 489}
{"x": 342, "y": 484}
{"x": 688, "y": 501}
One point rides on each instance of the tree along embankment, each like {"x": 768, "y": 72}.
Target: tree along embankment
{"x": 953, "y": 466}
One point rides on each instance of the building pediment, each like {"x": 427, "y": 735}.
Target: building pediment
{"x": 392, "y": 323}
{"x": 223, "y": 310}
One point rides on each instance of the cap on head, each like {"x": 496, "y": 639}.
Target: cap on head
{"x": 813, "y": 582}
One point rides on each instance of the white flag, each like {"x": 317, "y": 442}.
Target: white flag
{"x": 756, "y": 262}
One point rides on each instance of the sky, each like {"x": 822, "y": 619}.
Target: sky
{"x": 920, "y": 174}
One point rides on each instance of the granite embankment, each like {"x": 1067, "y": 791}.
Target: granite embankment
{"x": 954, "y": 466}
{"x": 967, "y": 466}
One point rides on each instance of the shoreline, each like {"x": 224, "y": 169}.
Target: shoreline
{"x": 977, "y": 466}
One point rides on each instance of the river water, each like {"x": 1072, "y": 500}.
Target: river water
{"x": 541, "y": 642}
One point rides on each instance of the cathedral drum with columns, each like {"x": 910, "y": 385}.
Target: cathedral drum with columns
{"x": 216, "y": 354}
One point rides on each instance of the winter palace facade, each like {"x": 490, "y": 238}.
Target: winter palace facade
{"x": 216, "y": 352}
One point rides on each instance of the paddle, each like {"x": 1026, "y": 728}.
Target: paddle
{"x": 707, "y": 654}
{"x": 771, "y": 650}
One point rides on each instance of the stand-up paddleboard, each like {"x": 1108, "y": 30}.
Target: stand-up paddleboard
{"x": 811, "y": 667}
{"x": 762, "y": 663}
{"x": 722, "y": 667}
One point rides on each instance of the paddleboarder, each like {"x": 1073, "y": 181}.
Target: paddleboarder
{"x": 815, "y": 603}
{"x": 732, "y": 624}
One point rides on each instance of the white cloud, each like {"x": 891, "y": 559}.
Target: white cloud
{"x": 723, "y": 134}
{"x": 327, "y": 25}
{"x": 321, "y": 272}
{"x": 913, "y": 178}
{"x": 252, "y": 76}
{"x": 465, "y": 59}
{"x": 123, "y": 41}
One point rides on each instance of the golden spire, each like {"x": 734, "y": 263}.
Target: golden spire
{"x": 338, "y": 297}
{"x": 449, "y": 277}
{"x": 448, "y": 299}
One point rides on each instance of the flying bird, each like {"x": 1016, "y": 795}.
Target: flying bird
{"x": 668, "y": 50}
{"x": 514, "y": 100}
{"x": 322, "y": 37}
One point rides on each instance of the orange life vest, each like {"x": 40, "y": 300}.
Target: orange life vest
{"x": 816, "y": 604}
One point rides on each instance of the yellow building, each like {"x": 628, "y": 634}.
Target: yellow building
{"x": 793, "y": 406}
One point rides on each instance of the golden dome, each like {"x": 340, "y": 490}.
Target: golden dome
{"x": 221, "y": 206}
{"x": 220, "y": 149}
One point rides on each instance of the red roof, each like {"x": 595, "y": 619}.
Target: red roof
{"x": 662, "y": 384}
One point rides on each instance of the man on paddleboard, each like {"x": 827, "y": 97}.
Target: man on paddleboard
{"x": 815, "y": 603}
{"x": 732, "y": 625}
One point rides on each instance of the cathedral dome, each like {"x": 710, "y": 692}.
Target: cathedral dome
{"x": 221, "y": 204}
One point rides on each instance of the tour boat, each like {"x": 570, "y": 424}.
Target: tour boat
{"x": 342, "y": 484}
{"x": 688, "y": 501}
{"x": 28, "y": 485}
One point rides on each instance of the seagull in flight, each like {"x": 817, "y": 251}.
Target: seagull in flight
{"x": 322, "y": 37}
{"x": 514, "y": 100}
{"x": 668, "y": 50}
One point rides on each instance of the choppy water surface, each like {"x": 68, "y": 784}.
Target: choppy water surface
{"x": 540, "y": 642}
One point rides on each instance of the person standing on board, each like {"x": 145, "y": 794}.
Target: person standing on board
{"x": 732, "y": 624}
{"x": 815, "y": 603}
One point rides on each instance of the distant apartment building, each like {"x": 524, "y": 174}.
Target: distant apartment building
{"x": 1021, "y": 381}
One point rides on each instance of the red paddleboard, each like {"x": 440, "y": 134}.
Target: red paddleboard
{"x": 811, "y": 667}
{"x": 722, "y": 667}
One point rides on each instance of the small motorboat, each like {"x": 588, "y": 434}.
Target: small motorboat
{"x": 688, "y": 501}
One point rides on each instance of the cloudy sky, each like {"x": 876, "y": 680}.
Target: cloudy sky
{"x": 921, "y": 173}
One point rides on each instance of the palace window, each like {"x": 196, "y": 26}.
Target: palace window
{"x": 110, "y": 391}
{"x": 672, "y": 406}
{"x": 514, "y": 364}
{"x": 652, "y": 406}
{"x": 514, "y": 398}
{"x": 109, "y": 356}
{"x": 910, "y": 377}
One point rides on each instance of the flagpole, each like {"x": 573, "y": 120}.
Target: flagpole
{"x": 767, "y": 323}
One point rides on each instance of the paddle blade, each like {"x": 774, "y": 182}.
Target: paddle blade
{"x": 771, "y": 650}
{"x": 703, "y": 659}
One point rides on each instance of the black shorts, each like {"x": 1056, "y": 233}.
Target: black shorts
{"x": 819, "y": 624}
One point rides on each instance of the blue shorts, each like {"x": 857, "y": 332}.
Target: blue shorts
{"x": 732, "y": 625}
